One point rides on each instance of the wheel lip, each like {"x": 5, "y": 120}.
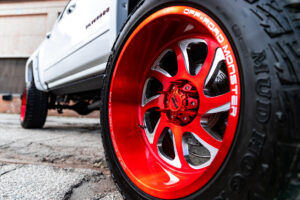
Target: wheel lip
{"x": 23, "y": 105}
{"x": 164, "y": 12}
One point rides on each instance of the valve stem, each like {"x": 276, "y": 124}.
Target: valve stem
{"x": 142, "y": 126}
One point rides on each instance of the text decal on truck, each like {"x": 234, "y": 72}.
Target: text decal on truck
{"x": 97, "y": 18}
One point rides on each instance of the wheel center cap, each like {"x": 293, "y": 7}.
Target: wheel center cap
{"x": 182, "y": 102}
{"x": 175, "y": 101}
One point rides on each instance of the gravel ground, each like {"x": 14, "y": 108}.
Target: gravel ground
{"x": 65, "y": 160}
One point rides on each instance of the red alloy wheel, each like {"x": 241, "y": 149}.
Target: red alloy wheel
{"x": 23, "y": 105}
{"x": 174, "y": 102}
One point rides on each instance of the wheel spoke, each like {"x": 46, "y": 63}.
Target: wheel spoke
{"x": 153, "y": 102}
{"x": 215, "y": 104}
{"x": 160, "y": 74}
{"x": 222, "y": 108}
{"x": 201, "y": 77}
{"x": 216, "y": 64}
{"x": 178, "y": 148}
{"x": 196, "y": 128}
{"x": 199, "y": 154}
{"x": 160, "y": 126}
{"x": 189, "y": 59}
{"x": 157, "y": 64}
{"x": 182, "y": 61}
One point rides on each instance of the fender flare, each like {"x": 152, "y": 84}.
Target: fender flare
{"x": 32, "y": 73}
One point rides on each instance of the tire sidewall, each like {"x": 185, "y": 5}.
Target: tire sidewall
{"x": 28, "y": 89}
{"x": 36, "y": 107}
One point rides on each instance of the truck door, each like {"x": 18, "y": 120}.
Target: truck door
{"x": 71, "y": 47}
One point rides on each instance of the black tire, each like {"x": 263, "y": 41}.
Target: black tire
{"x": 36, "y": 109}
{"x": 265, "y": 151}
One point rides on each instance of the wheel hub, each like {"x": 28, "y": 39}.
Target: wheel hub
{"x": 182, "y": 102}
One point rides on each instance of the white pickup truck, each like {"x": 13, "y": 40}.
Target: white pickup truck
{"x": 198, "y": 99}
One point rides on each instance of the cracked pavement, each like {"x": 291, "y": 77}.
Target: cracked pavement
{"x": 63, "y": 161}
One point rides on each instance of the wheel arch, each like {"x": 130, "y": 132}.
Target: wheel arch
{"x": 32, "y": 73}
{"x": 29, "y": 71}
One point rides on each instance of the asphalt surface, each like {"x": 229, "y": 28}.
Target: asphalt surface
{"x": 63, "y": 161}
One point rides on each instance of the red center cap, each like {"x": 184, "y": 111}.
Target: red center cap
{"x": 182, "y": 101}
{"x": 175, "y": 101}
